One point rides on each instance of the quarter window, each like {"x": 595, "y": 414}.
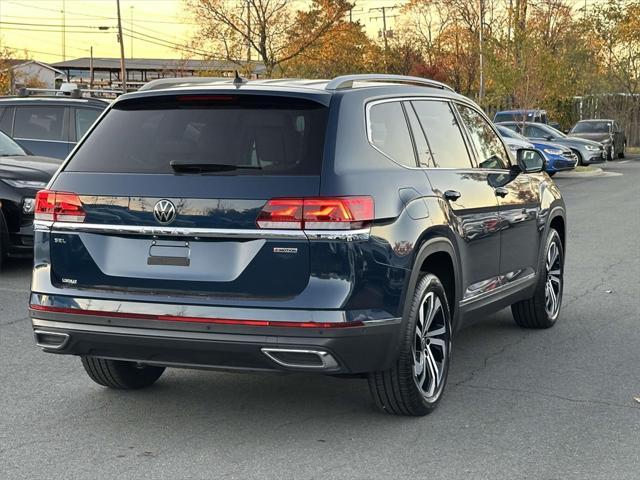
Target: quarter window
{"x": 388, "y": 132}
{"x": 489, "y": 147}
{"x": 40, "y": 123}
{"x": 84, "y": 119}
{"x": 443, "y": 133}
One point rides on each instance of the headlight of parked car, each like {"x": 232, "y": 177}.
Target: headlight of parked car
{"x": 24, "y": 183}
{"x": 592, "y": 148}
{"x": 553, "y": 151}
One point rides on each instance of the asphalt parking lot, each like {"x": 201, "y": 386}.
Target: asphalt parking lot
{"x": 552, "y": 404}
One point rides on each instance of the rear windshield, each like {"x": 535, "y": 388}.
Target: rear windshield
{"x": 592, "y": 127}
{"x": 514, "y": 117}
{"x": 249, "y": 135}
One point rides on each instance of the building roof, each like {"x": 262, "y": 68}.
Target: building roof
{"x": 22, "y": 63}
{"x": 154, "y": 64}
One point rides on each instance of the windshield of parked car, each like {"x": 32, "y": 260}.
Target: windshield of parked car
{"x": 507, "y": 132}
{"x": 551, "y": 130}
{"x": 592, "y": 127}
{"x": 207, "y": 134}
{"x": 9, "y": 148}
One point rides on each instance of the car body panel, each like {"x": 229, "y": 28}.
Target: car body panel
{"x": 588, "y": 151}
{"x": 243, "y": 272}
{"x": 43, "y": 140}
{"x": 614, "y": 139}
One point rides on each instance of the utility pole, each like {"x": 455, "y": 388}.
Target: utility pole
{"x": 384, "y": 28}
{"x": 480, "y": 30}
{"x": 131, "y": 28}
{"x": 91, "y": 67}
{"x": 123, "y": 69}
{"x": 64, "y": 33}
{"x": 249, "y": 33}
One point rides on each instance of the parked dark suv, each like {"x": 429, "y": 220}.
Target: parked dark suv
{"x": 48, "y": 126}
{"x": 345, "y": 227}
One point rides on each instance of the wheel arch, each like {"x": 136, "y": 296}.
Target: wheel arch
{"x": 438, "y": 255}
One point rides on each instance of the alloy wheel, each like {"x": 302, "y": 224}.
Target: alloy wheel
{"x": 553, "y": 286}
{"x": 431, "y": 347}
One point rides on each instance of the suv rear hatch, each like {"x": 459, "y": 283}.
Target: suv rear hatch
{"x": 165, "y": 192}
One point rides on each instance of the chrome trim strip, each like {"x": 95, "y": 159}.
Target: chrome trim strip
{"x": 66, "y": 142}
{"x": 53, "y": 334}
{"x": 176, "y": 231}
{"x": 346, "y": 235}
{"x": 500, "y": 288}
{"x": 327, "y": 360}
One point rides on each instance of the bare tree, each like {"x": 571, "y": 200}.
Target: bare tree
{"x": 235, "y": 29}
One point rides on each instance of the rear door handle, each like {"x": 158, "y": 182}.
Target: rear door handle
{"x": 501, "y": 192}
{"x": 452, "y": 195}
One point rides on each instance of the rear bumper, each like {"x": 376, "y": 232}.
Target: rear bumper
{"x": 369, "y": 346}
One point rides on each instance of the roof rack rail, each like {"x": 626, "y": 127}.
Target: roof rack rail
{"x": 168, "y": 82}
{"x": 346, "y": 81}
{"x": 74, "y": 93}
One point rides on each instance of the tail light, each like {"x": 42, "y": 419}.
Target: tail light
{"x": 324, "y": 213}
{"x": 58, "y": 207}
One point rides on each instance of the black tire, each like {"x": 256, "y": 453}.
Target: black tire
{"x": 397, "y": 391}
{"x": 621, "y": 154}
{"x": 540, "y": 311}
{"x": 119, "y": 374}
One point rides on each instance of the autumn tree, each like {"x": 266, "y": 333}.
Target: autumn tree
{"x": 344, "y": 49}
{"x": 230, "y": 29}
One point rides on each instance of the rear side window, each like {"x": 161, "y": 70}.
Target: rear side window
{"x": 389, "y": 133}
{"x": 40, "y": 123}
{"x": 534, "y": 132}
{"x": 489, "y": 147}
{"x": 251, "y": 135}
{"x": 440, "y": 125}
{"x": 84, "y": 119}
{"x": 6, "y": 119}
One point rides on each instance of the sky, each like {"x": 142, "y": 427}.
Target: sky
{"x": 161, "y": 28}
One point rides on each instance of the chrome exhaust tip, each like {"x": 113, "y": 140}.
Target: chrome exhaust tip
{"x": 51, "y": 340}
{"x": 301, "y": 358}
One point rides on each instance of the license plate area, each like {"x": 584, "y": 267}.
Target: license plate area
{"x": 175, "y": 254}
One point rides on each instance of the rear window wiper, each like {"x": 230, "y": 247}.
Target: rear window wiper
{"x": 187, "y": 167}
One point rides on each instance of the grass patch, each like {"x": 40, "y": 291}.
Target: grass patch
{"x": 584, "y": 168}
{"x": 633, "y": 150}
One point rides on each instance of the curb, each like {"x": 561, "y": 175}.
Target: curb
{"x": 596, "y": 172}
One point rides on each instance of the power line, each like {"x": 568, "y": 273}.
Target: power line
{"x": 55, "y": 25}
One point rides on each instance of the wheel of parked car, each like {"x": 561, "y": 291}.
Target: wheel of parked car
{"x": 580, "y": 160}
{"x": 543, "y": 308}
{"x": 414, "y": 385}
{"x": 119, "y": 374}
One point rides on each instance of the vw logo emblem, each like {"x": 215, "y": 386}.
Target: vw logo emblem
{"x": 164, "y": 212}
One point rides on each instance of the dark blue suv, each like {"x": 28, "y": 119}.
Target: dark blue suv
{"x": 344, "y": 227}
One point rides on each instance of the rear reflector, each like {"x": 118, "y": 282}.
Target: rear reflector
{"x": 176, "y": 318}
{"x": 322, "y": 213}
{"x": 58, "y": 207}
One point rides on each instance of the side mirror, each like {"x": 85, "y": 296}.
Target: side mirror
{"x": 530, "y": 160}
{"x": 548, "y": 137}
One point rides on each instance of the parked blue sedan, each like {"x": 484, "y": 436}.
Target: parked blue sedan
{"x": 557, "y": 157}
